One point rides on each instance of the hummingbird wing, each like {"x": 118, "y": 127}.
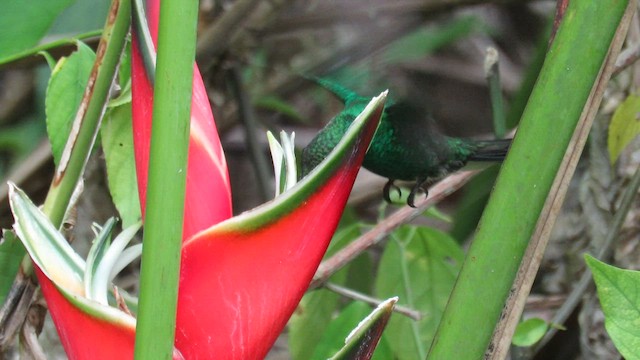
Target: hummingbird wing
{"x": 439, "y": 154}
{"x": 407, "y": 145}
{"x": 416, "y": 127}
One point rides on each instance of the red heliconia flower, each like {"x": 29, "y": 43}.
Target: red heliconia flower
{"x": 242, "y": 279}
{"x": 208, "y": 194}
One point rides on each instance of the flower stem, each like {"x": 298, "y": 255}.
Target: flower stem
{"x": 167, "y": 178}
{"x": 87, "y": 122}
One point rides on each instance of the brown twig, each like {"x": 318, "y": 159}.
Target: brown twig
{"x": 627, "y": 58}
{"x": 14, "y": 309}
{"x": 438, "y": 192}
{"x": 355, "y": 295}
{"x": 30, "y": 346}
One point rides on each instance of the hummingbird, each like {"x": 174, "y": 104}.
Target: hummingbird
{"x": 406, "y": 146}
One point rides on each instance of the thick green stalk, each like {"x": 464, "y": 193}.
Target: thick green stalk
{"x": 167, "y": 177}
{"x": 547, "y": 126}
{"x": 87, "y": 122}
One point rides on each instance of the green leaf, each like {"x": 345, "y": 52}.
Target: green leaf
{"x": 361, "y": 274}
{"x": 625, "y": 126}
{"x": 316, "y": 309}
{"x": 470, "y": 207}
{"x": 24, "y": 23}
{"x": 620, "y": 300}
{"x": 529, "y": 332}
{"x": 122, "y": 99}
{"x": 11, "y": 254}
{"x": 80, "y": 17}
{"x": 124, "y": 79}
{"x": 117, "y": 142}
{"x": 124, "y": 70}
{"x": 419, "y": 265}
{"x": 332, "y": 339}
{"x": 64, "y": 93}
{"x": 435, "y": 213}
{"x": 361, "y": 342}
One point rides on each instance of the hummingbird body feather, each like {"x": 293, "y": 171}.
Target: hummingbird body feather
{"x": 405, "y": 146}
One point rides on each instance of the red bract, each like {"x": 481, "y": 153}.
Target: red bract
{"x": 79, "y": 330}
{"x": 83, "y": 333}
{"x": 241, "y": 280}
{"x": 208, "y": 194}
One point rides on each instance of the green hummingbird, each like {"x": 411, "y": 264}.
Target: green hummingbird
{"x": 405, "y": 147}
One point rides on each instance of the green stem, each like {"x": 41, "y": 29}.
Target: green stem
{"x": 492, "y": 73}
{"x": 508, "y": 223}
{"x": 87, "y": 122}
{"x": 167, "y": 179}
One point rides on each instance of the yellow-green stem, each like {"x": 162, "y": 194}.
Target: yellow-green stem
{"x": 87, "y": 121}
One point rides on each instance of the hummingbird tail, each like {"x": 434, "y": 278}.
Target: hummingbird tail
{"x": 491, "y": 150}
